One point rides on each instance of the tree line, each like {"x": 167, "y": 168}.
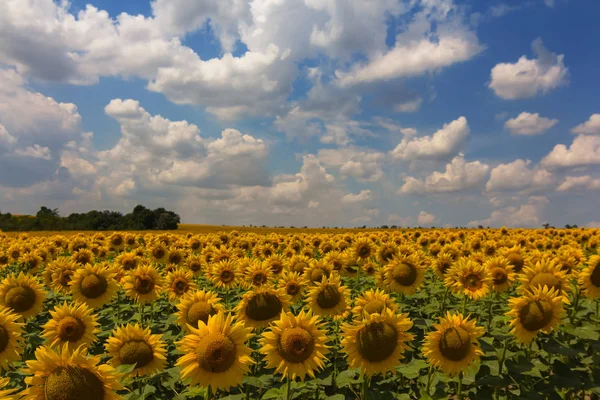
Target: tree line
{"x": 46, "y": 219}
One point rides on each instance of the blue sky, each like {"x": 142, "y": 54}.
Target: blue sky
{"x": 304, "y": 112}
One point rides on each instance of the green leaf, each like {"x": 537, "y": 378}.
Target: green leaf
{"x": 346, "y": 378}
{"x": 583, "y": 332}
{"x": 274, "y": 393}
{"x": 413, "y": 368}
{"x": 125, "y": 368}
{"x": 520, "y": 366}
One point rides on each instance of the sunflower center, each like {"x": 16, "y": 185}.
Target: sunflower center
{"x": 175, "y": 258}
{"x": 70, "y": 329}
{"x": 195, "y": 266}
{"x": 128, "y": 264}
{"x": 117, "y": 241}
{"x": 536, "y": 315}
{"x": 276, "y": 268}
{"x": 455, "y": 343}
{"x": 317, "y": 275}
{"x": 374, "y": 306}
{"x": 180, "y": 286}
{"x": 444, "y": 267}
{"x": 364, "y": 251}
{"x": 20, "y": 298}
{"x": 200, "y": 311}
{"x": 73, "y": 382}
{"x": 292, "y": 289}
{"x": 296, "y": 345}
{"x": 472, "y": 282}
{"x": 65, "y": 278}
{"x": 136, "y": 352}
{"x": 404, "y": 274}
{"x": 595, "y": 277}
{"x": 4, "y": 338}
{"x": 299, "y": 266}
{"x": 377, "y": 341}
{"x": 499, "y": 275}
{"x": 144, "y": 284}
{"x": 545, "y": 279}
{"x": 216, "y": 353}
{"x": 93, "y": 286}
{"x": 82, "y": 259}
{"x": 226, "y": 276}
{"x": 259, "y": 279}
{"x": 329, "y": 297}
{"x": 263, "y": 306}
{"x": 158, "y": 253}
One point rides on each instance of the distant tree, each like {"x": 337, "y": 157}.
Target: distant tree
{"x": 546, "y": 225}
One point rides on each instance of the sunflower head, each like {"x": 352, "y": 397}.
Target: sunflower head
{"x": 469, "y": 278}
{"x": 198, "y": 306}
{"x": 132, "y": 344}
{"x": 180, "y": 282}
{"x": 22, "y": 294}
{"x": 376, "y": 343}
{"x": 143, "y": 284}
{"x": 372, "y": 301}
{"x": 453, "y": 346}
{"x": 363, "y": 249}
{"x": 317, "y": 271}
{"x": 589, "y": 278}
{"x": 442, "y": 264}
{"x": 329, "y": 297}
{"x": 545, "y": 273}
{"x": 405, "y": 274}
{"x": 11, "y": 339}
{"x": 295, "y": 345}
{"x": 258, "y": 273}
{"x": 501, "y": 272}
{"x": 73, "y": 325}
{"x": 261, "y": 306}
{"x": 293, "y": 285}
{"x": 94, "y": 285}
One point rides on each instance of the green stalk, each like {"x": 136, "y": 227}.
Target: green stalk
{"x": 317, "y": 393}
{"x": 575, "y": 304}
{"x": 118, "y": 307}
{"x": 464, "y": 305}
{"x": 142, "y": 312}
{"x": 429, "y": 375}
{"x": 489, "y": 323}
{"x": 444, "y": 301}
{"x": 288, "y": 392}
{"x": 502, "y": 357}
{"x": 459, "y": 393}
{"x": 357, "y": 283}
{"x": 365, "y": 388}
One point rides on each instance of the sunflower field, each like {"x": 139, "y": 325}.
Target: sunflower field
{"x": 395, "y": 314}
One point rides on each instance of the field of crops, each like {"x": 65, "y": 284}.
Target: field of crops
{"x": 416, "y": 314}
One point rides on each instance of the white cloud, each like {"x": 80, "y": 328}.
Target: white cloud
{"x": 409, "y": 106}
{"x": 35, "y": 151}
{"x": 361, "y": 164}
{"x": 425, "y": 218}
{"x": 396, "y": 219}
{"x": 529, "y": 77}
{"x": 572, "y": 183}
{"x": 529, "y": 124}
{"x": 593, "y": 224}
{"x": 526, "y": 215}
{"x": 590, "y": 127}
{"x": 518, "y": 175}
{"x": 6, "y": 139}
{"x": 459, "y": 175}
{"x": 584, "y": 150}
{"x": 443, "y": 143}
{"x": 351, "y": 198}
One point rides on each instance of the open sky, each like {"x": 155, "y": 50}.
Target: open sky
{"x": 304, "y": 112}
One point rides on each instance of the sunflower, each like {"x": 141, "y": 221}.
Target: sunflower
{"x": 261, "y": 306}
{"x": 143, "y": 284}
{"x": 158, "y": 252}
{"x": 373, "y": 301}
{"x": 376, "y": 343}
{"x": 469, "y": 278}
{"x": 7, "y": 394}
{"x": 71, "y": 324}
{"x": 453, "y": 345}
{"x": 589, "y": 278}
{"x": 404, "y": 274}
{"x": 215, "y": 353}
{"x": 94, "y": 285}
{"x": 194, "y": 264}
{"x": 195, "y": 244}
{"x": 221, "y": 254}
{"x": 515, "y": 258}
{"x": 369, "y": 268}
{"x": 83, "y": 256}
{"x": 22, "y": 294}
{"x": 30, "y": 262}
{"x": 386, "y": 252}
{"x": 501, "y": 272}
{"x": 225, "y": 274}
{"x": 11, "y": 336}
{"x": 128, "y": 261}
{"x": 545, "y": 273}
{"x": 295, "y": 345}
{"x": 317, "y": 271}
{"x": 131, "y": 344}
{"x": 180, "y": 282}
{"x": 275, "y": 263}
{"x": 442, "y": 264}
{"x": 176, "y": 256}
{"x": 69, "y": 375}
{"x": 4, "y": 258}
{"x": 198, "y": 306}
{"x": 257, "y": 273}
{"x": 293, "y": 285}
{"x": 328, "y": 297}
{"x": 298, "y": 263}
{"x": 363, "y": 249}
{"x": 59, "y": 274}
{"x": 540, "y": 309}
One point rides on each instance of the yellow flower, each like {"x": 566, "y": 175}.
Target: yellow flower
{"x": 73, "y": 325}
{"x": 501, "y": 272}
{"x": 540, "y": 309}
{"x": 215, "y": 353}
{"x": 198, "y": 306}
{"x": 143, "y": 284}
{"x": 468, "y": 278}
{"x": 22, "y": 294}
{"x": 545, "y": 273}
{"x": 295, "y": 345}
{"x": 292, "y": 284}
{"x": 261, "y": 306}
{"x": 373, "y": 301}
{"x": 7, "y": 394}
{"x": 69, "y": 375}
{"x": 363, "y": 249}
{"x": 225, "y": 274}
{"x": 317, "y": 271}
{"x": 376, "y": 343}
{"x": 132, "y": 344}
{"x": 11, "y": 338}
{"x": 589, "y": 278}
{"x": 453, "y": 345}
{"x": 94, "y": 285}
{"x": 404, "y": 274}
{"x": 257, "y": 273}
{"x": 328, "y": 297}
{"x": 180, "y": 282}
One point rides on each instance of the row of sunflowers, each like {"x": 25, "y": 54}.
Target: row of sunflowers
{"x": 410, "y": 314}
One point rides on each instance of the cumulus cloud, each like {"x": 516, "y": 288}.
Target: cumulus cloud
{"x": 589, "y": 127}
{"x": 425, "y": 218}
{"x": 529, "y": 124}
{"x": 409, "y": 106}
{"x": 573, "y": 183}
{"x": 518, "y": 175}
{"x": 364, "y": 165}
{"x": 529, "y": 77}
{"x": 584, "y": 150}
{"x": 525, "y": 215}
{"x": 459, "y": 175}
{"x": 351, "y": 198}
{"x": 445, "y": 142}
{"x": 35, "y": 151}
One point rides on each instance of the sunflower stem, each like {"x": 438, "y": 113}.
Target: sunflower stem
{"x": 444, "y": 301}
{"x": 317, "y": 393}
{"x": 357, "y": 282}
{"x": 459, "y": 393}
{"x": 464, "y": 305}
{"x": 490, "y": 315}
{"x": 575, "y": 304}
{"x": 429, "y": 375}
{"x": 288, "y": 392}
{"x": 142, "y": 312}
{"x": 365, "y": 388}
{"x": 502, "y": 357}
